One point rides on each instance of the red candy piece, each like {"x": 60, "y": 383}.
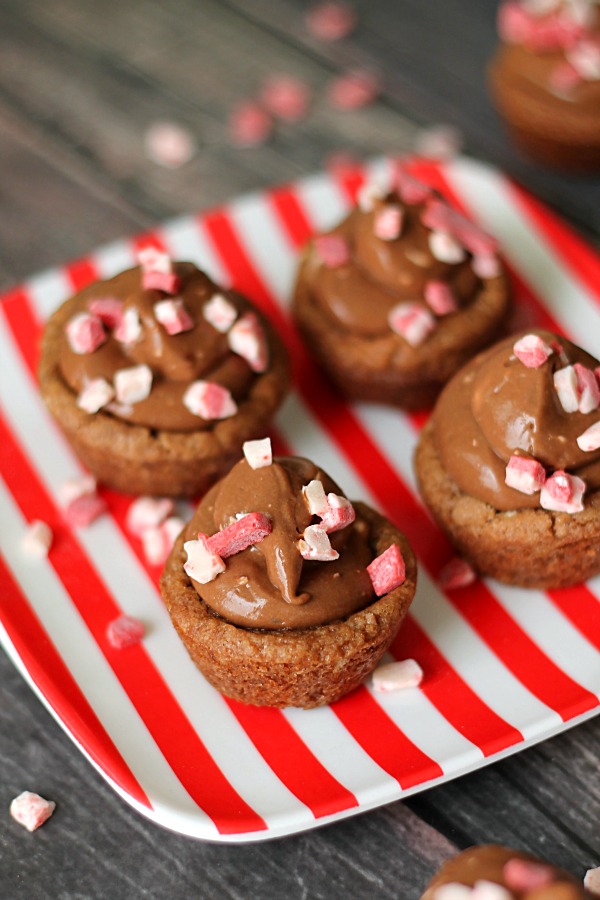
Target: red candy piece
{"x": 440, "y": 217}
{"x": 124, "y": 632}
{"x": 338, "y": 514}
{"x": 108, "y": 309}
{"x": 457, "y": 573}
{"x": 285, "y": 97}
{"x": 209, "y": 401}
{"x": 331, "y": 21}
{"x": 247, "y": 338}
{"x": 387, "y": 571}
{"x": 333, "y": 250}
{"x": 354, "y": 89}
{"x": 85, "y": 333}
{"x": 173, "y": 316}
{"x": 439, "y": 296}
{"x": 525, "y": 474}
{"x": 248, "y": 530}
{"x": 532, "y": 351}
{"x": 522, "y": 875}
{"x": 249, "y": 124}
{"x": 563, "y": 493}
{"x": 84, "y": 510}
{"x": 31, "y": 810}
{"x": 157, "y": 271}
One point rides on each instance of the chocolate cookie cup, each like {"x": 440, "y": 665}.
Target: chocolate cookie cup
{"x": 399, "y": 295}
{"x": 545, "y": 81}
{"x": 509, "y": 463}
{"x": 500, "y": 873}
{"x": 157, "y": 377}
{"x": 302, "y": 615}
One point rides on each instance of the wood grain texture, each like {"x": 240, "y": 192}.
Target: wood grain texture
{"x": 79, "y": 84}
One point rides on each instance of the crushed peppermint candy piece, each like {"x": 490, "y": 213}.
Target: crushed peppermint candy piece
{"x": 524, "y": 875}
{"x": 129, "y": 327}
{"x": 562, "y": 493}
{"x": 354, "y": 89}
{"x": 169, "y": 144}
{"x": 250, "y": 529}
{"x": 525, "y": 474}
{"x": 457, "y": 573}
{"x": 452, "y": 891}
{"x": 37, "y": 539}
{"x": 387, "y": 571}
{"x": 440, "y": 297}
{"x": 338, "y": 514}
{"x": 438, "y": 216}
{"x": 397, "y": 676}
{"x": 387, "y": 224}
{"x": 97, "y": 394}
{"x": 209, "y": 401}
{"x": 490, "y": 890}
{"x": 73, "y": 488}
{"x": 83, "y": 510}
{"x": 85, "y": 333}
{"x": 157, "y": 541}
{"x": 147, "y": 512}
{"x": 108, "y": 309}
{"x": 173, "y": 316}
{"x": 368, "y": 194}
{"x": 315, "y": 545}
{"x": 331, "y": 20}
{"x": 332, "y": 249}
{"x": 220, "y": 313}
{"x": 315, "y": 497}
{"x": 585, "y": 58}
{"x": 124, "y": 631}
{"x": 486, "y": 266}
{"x": 590, "y": 439}
{"x": 249, "y": 124}
{"x": 132, "y": 385}
{"x": 565, "y": 385}
{"x": 564, "y": 77}
{"x": 202, "y": 564}
{"x": 31, "y": 810}
{"x": 246, "y": 337}
{"x": 410, "y": 189}
{"x": 532, "y": 351}
{"x": 412, "y": 322}
{"x": 591, "y": 880}
{"x": 258, "y": 453}
{"x": 446, "y": 248}
{"x": 587, "y": 389}
{"x": 157, "y": 271}
{"x": 557, "y": 30}
{"x": 285, "y": 97}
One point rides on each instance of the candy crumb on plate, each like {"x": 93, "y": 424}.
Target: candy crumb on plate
{"x": 30, "y": 810}
{"x": 397, "y": 676}
{"x": 124, "y": 631}
{"x": 37, "y": 539}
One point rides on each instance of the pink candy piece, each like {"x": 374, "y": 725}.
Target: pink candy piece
{"x": 564, "y": 77}
{"x": 555, "y": 31}
{"x": 249, "y": 124}
{"x": 169, "y": 144}
{"x": 387, "y": 224}
{"x": 587, "y": 388}
{"x": 173, "y": 316}
{"x": 397, "y": 676}
{"x": 592, "y": 880}
{"x": 439, "y": 296}
{"x": 125, "y": 631}
{"x": 457, "y": 573}
{"x": 157, "y": 542}
{"x": 246, "y": 337}
{"x": 258, "y": 453}
{"x": 108, "y": 309}
{"x": 95, "y": 395}
{"x": 333, "y": 250}
{"x": 590, "y": 439}
{"x": 147, "y": 512}
{"x": 134, "y": 384}
{"x": 315, "y": 498}
{"x": 368, "y": 195}
{"x": 410, "y": 189}
{"x": 412, "y": 322}
{"x": 338, "y": 514}
{"x": 565, "y": 385}
{"x": 202, "y": 564}
{"x": 562, "y": 493}
{"x": 532, "y": 351}
{"x": 249, "y": 529}
{"x": 85, "y": 333}
{"x": 486, "y": 266}
{"x": 82, "y": 511}
{"x": 286, "y": 97}
{"x": 37, "y": 539}
{"x": 315, "y": 545}
{"x": 522, "y": 875}
{"x": 445, "y": 248}
{"x": 524, "y": 474}
{"x": 209, "y": 401}
{"x": 438, "y": 216}
{"x": 585, "y": 58}
{"x": 157, "y": 271}
{"x": 387, "y": 571}
{"x": 73, "y": 488}
{"x": 31, "y": 810}
{"x": 129, "y": 328}
{"x": 331, "y": 20}
{"x": 354, "y": 89}
{"x": 220, "y": 313}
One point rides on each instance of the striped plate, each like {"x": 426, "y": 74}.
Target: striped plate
{"x": 504, "y": 668}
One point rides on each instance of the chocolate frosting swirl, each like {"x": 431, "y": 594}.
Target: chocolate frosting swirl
{"x": 270, "y": 585}
{"x": 496, "y": 407}
{"x": 175, "y": 360}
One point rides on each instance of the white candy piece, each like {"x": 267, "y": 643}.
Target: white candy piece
{"x": 315, "y": 497}
{"x": 74, "y": 488}
{"x": 396, "y": 676}
{"x": 37, "y": 539}
{"x": 31, "y": 810}
{"x": 445, "y": 248}
{"x": 95, "y": 395}
{"x": 563, "y": 493}
{"x": 490, "y": 890}
{"x": 368, "y": 195}
{"x": 452, "y": 891}
{"x": 246, "y": 338}
{"x": 129, "y": 329}
{"x": 387, "y": 225}
{"x": 134, "y": 384}
{"x": 315, "y": 544}
{"x": 147, "y": 512}
{"x": 565, "y": 385}
{"x": 209, "y": 401}
{"x": 220, "y": 313}
{"x": 173, "y": 316}
{"x": 202, "y": 565}
{"x": 412, "y": 322}
{"x": 158, "y": 542}
{"x": 590, "y": 439}
{"x": 591, "y": 880}
{"x": 258, "y": 453}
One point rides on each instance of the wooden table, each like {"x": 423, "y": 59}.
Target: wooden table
{"x": 80, "y": 82}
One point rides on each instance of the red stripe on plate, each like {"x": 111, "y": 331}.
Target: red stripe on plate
{"x": 25, "y": 327}
{"x": 292, "y": 761}
{"x": 81, "y": 273}
{"x": 581, "y": 608}
{"x": 54, "y": 681}
{"x": 143, "y": 683}
{"x": 452, "y": 696}
{"x": 290, "y": 212}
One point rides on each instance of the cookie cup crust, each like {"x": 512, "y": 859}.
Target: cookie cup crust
{"x": 297, "y": 667}
{"x": 386, "y": 369}
{"x": 532, "y": 548}
{"x": 136, "y": 459}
